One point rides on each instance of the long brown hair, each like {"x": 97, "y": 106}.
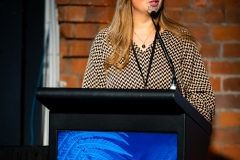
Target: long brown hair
{"x": 121, "y": 30}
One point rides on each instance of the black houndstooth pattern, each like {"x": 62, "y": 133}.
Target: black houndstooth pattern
{"x": 192, "y": 78}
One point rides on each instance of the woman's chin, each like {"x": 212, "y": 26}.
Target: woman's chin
{"x": 152, "y": 8}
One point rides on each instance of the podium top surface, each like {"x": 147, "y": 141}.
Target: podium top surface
{"x": 119, "y": 101}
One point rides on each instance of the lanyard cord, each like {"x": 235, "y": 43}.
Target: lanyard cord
{"x": 150, "y": 62}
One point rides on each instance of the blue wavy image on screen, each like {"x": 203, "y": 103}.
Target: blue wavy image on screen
{"x": 92, "y": 145}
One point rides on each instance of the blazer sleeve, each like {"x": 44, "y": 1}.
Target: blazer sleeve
{"x": 197, "y": 88}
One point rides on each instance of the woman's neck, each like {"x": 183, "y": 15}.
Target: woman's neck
{"x": 142, "y": 22}
{"x": 143, "y": 31}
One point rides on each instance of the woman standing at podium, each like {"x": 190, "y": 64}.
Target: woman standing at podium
{"x": 144, "y": 49}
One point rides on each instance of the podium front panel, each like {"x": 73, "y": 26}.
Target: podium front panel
{"x": 164, "y": 128}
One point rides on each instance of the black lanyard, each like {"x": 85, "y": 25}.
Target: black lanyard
{"x": 150, "y": 62}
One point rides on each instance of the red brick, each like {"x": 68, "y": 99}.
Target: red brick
{"x": 105, "y": 2}
{"x": 61, "y": 2}
{"x": 63, "y": 66}
{"x": 79, "y": 48}
{"x": 215, "y": 122}
{"x": 66, "y": 30}
{"x": 231, "y": 84}
{"x": 81, "y": 2}
{"x": 85, "y": 30}
{"x": 206, "y": 64}
{"x": 78, "y": 65}
{"x": 200, "y": 3}
{"x": 100, "y": 14}
{"x": 200, "y": 32}
{"x": 226, "y": 135}
{"x": 232, "y": 16}
{"x": 214, "y": 152}
{"x": 231, "y": 50}
{"x": 228, "y": 101}
{"x": 225, "y": 3}
{"x": 74, "y": 13}
{"x": 80, "y": 80}
{"x": 71, "y": 80}
{"x": 230, "y": 119}
{"x": 210, "y": 50}
{"x": 215, "y": 148}
{"x": 177, "y": 3}
{"x": 225, "y": 67}
{"x": 232, "y": 151}
{"x": 226, "y": 33}
{"x": 60, "y": 14}
{"x": 214, "y": 16}
{"x": 216, "y": 84}
{"x": 175, "y": 14}
{"x": 102, "y": 26}
{"x": 63, "y": 47}
{"x": 192, "y": 16}
{"x": 94, "y": 2}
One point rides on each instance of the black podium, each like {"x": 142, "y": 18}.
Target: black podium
{"x": 122, "y": 111}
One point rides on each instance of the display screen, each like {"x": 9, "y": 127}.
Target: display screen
{"x": 104, "y": 145}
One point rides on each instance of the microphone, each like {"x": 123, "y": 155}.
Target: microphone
{"x": 153, "y": 15}
{"x": 173, "y": 84}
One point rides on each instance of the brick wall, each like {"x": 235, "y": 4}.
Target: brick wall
{"x": 216, "y": 23}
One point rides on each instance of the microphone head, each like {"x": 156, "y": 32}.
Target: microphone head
{"x": 153, "y": 14}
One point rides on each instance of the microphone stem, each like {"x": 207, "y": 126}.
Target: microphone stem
{"x": 173, "y": 81}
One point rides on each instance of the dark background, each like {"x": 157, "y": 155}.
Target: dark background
{"x": 21, "y": 54}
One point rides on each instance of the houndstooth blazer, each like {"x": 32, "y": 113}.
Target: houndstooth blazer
{"x": 192, "y": 78}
